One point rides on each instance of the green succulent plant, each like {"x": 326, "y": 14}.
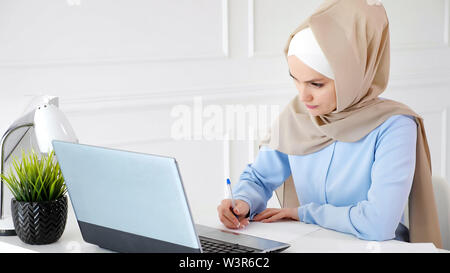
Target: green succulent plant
{"x": 35, "y": 180}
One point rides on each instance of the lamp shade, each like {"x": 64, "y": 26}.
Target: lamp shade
{"x": 51, "y": 124}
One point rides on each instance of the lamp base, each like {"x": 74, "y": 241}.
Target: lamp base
{"x": 8, "y": 232}
{"x": 7, "y": 226}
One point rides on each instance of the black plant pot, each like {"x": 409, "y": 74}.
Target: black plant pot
{"x": 39, "y": 223}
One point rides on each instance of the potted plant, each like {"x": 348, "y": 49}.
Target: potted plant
{"x": 39, "y": 206}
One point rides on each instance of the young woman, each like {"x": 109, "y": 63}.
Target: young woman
{"x": 350, "y": 159}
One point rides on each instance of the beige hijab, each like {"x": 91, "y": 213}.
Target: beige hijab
{"x": 354, "y": 36}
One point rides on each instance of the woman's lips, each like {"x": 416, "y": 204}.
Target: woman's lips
{"x": 311, "y": 106}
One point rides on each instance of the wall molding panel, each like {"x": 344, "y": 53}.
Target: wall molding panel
{"x": 447, "y": 23}
{"x": 222, "y": 49}
{"x": 119, "y": 67}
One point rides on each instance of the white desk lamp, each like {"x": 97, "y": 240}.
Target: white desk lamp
{"x": 49, "y": 123}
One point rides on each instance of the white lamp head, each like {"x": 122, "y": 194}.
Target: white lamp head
{"x": 51, "y": 124}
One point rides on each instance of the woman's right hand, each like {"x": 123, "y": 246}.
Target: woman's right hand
{"x": 236, "y": 220}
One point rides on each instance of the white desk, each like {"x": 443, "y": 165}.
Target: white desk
{"x": 301, "y": 236}
{"x": 305, "y": 238}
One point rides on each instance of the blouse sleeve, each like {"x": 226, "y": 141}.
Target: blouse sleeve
{"x": 259, "y": 179}
{"x": 392, "y": 175}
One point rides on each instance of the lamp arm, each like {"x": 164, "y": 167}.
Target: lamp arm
{"x": 4, "y": 138}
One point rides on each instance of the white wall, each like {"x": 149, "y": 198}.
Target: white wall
{"x": 119, "y": 68}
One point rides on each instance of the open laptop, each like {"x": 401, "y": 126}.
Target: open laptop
{"x": 135, "y": 202}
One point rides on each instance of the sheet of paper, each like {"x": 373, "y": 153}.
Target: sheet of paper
{"x": 283, "y": 231}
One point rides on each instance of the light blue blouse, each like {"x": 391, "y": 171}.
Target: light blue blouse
{"x": 359, "y": 188}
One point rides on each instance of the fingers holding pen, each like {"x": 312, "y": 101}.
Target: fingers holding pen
{"x": 226, "y": 215}
{"x": 232, "y": 219}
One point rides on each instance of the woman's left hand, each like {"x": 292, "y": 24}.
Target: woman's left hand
{"x": 271, "y": 215}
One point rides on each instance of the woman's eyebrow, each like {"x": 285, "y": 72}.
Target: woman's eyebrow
{"x": 314, "y": 80}
{"x": 310, "y": 81}
{"x": 292, "y": 75}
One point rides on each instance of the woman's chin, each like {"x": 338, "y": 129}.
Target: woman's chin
{"x": 318, "y": 112}
{"x": 314, "y": 112}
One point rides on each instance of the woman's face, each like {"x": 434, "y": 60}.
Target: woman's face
{"x": 316, "y": 91}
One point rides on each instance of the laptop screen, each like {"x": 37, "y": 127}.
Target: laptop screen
{"x": 132, "y": 192}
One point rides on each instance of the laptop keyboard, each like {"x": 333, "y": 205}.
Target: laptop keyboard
{"x": 214, "y": 246}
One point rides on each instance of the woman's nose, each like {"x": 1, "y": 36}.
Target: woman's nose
{"x": 304, "y": 95}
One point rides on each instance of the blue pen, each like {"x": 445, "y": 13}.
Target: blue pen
{"x": 231, "y": 194}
